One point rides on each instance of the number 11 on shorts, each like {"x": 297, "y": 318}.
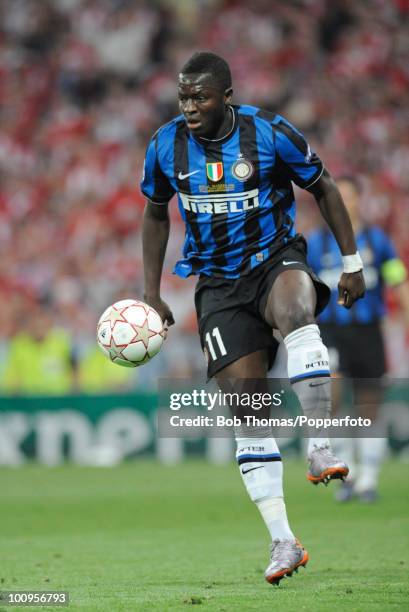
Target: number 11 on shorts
{"x": 220, "y": 343}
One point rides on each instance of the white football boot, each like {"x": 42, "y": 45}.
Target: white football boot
{"x": 325, "y": 466}
{"x": 286, "y": 557}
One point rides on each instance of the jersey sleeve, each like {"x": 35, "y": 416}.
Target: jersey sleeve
{"x": 155, "y": 185}
{"x": 301, "y": 163}
{"x": 392, "y": 268}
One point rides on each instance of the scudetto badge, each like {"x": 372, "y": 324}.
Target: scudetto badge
{"x": 242, "y": 169}
{"x": 214, "y": 171}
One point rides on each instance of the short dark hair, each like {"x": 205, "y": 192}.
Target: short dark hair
{"x": 352, "y": 180}
{"x": 206, "y": 62}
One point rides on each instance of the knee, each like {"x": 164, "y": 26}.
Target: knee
{"x": 294, "y": 316}
{"x": 291, "y": 302}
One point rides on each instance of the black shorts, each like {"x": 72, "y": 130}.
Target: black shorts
{"x": 355, "y": 350}
{"x": 230, "y": 312}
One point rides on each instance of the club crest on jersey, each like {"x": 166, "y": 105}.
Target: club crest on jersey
{"x": 242, "y": 169}
{"x": 214, "y": 171}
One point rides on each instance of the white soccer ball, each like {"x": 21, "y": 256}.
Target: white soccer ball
{"x": 130, "y": 333}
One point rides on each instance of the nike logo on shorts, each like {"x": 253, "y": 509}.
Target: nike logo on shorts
{"x": 181, "y": 176}
{"x": 251, "y": 469}
{"x": 288, "y": 263}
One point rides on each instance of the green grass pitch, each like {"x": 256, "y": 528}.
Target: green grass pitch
{"x": 147, "y": 537}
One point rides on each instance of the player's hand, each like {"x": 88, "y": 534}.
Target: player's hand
{"x": 351, "y": 288}
{"x": 162, "y": 309}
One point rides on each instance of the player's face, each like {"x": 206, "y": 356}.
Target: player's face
{"x": 203, "y": 104}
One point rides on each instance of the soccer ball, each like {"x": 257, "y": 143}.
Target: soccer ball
{"x": 130, "y": 333}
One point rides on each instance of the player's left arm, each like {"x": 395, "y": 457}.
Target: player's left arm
{"x": 302, "y": 165}
{"x": 351, "y": 286}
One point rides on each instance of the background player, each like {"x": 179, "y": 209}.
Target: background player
{"x": 232, "y": 168}
{"x": 354, "y": 337}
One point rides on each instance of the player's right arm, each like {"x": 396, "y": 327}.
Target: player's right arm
{"x": 158, "y": 190}
{"x": 155, "y": 235}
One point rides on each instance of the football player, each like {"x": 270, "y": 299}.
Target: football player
{"x": 232, "y": 168}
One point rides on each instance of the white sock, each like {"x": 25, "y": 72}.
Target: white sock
{"x": 262, "y": 473}
{"x": 274, "y": 516}
{"x": 309, "y": 374}
{"x": 371, "y": 452}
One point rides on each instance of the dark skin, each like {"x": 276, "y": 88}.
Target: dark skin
{"x": 205, "y": 106}
{"x": 292, "y": 299}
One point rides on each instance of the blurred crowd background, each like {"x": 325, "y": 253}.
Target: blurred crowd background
{"x": 85, "y": 83}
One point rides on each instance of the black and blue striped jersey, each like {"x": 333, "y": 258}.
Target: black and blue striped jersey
{"x": 235, "y": 194}
{"x": 381, "y": 267}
